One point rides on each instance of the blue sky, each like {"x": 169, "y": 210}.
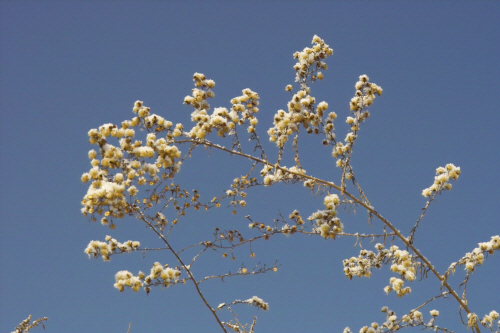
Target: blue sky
{"x": 67, "y": 67}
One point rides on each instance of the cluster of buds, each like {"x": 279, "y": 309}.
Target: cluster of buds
{"x": 106, "y": 194}
{"x": 302, "y": 108}
{"x": 105, "y": 198}
{"x": 489, "y": 319}
{"x": 441, "y": 180}
{"x": 397, "y": 285}
{"x": 476, "y": 257}
{"x": 144, "y": 116}
{"x": 281, "y": 174}
{"x": 363, "y": 98}
{"x": 222, "y": 120}
{"x": 245, "y": 107}
{"x": 98, "y": 248}
{"x": 402, "y": 263}
{"x": 301, "y": 111}
{"x": 200, "y": 94}
{"x": 295, "y": 215}
{"x": 310, "y": 60}
{"x": 237, "y": 189}
{"x": 327, "y": 222}
{"x": 26, "y": 325}
{"x": 160, "y": 275}
{"x": 258, "y": 302}
{"x": 126, "y": 279}
{"x": 414, "y": 317}
{"x": 267, "y": 228}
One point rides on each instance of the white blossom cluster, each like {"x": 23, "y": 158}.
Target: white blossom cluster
{"x": 107, "y": 192}
{"x": 258, "y": 302}
{"x": 363, "y": 98}
{"x": 199, "y": 96}
{"x": 163, "y": 275}
{"x": 302, "y": 108}
{"x": 222, "y": 120}
{"x": 280, "y": 174}
{"x": 403, "y": 263}
{"x": 98, "y": 248}
{"x": 414, "y": 318}
{"x": 310, "y": 60}
{"x": 327, "y": 222}
{"x": 490, "y": 318}
{"x": 476, "y": 257}
{"x": 441, "y": 180}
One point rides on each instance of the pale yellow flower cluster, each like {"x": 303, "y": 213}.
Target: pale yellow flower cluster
{"x": 126, "y": 279}
{"x": 98, "y": 248}
{"x": 369, "y": 329}
{"x": 163, "y": 275}
{"x": 414, "y": 316}
{"x": 365, "y": 94}
{"x": 107, "y": 193}
{"x": 402, "y": 263}
{"x": 363, "y": 98}
{"x": 295, "y": 215}
{"x": 301, "y": 111}
{"x": 490, "y": 318}
{"x": 302, "y": 108}
{"x": 327, "y": 222}
{"x": 310, "y": 60}
{"x": 476, "y": 257}
{"x": 258, "y": 302}
{"x": 441, "y": 181}
{"x": 280, "y": 174}
{"x": 221, "y": 120}
{"x": 199, "y": 96}
{"x": 397, "y": 285}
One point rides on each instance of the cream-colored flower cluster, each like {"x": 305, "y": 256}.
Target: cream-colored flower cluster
{"x": 201, "y": 93}
{"x": 126, "y": 279}
{"x": 402, "y": 263}
{"x": 414, "y": 317}
{"x": 391, "y": 318}
{"x": 441, "y": 181}
{"x": 369, "y": 329}
{"x": 327, "y": 222}
{"x": 258, "y": 302}
{"x": 489, "y": 319}
{"x": 397, "y": 285}
{"x": 107, "y": 192}
{"x": 98, "y": 248}
{"x": 476, "y": 257}
{"x": 301, "y": 111}
{"x": 280, "y": 174}
{"x": 244, "y": 108}
{"x": 221, "y": 120}
{"x": 363, "y": 98}
{"x": 163, "y": 275}
{"x": 310, "y": 60}
{"x": 302, "y": 108}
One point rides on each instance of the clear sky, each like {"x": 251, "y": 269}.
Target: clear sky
{"x": 69, "y": 66}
